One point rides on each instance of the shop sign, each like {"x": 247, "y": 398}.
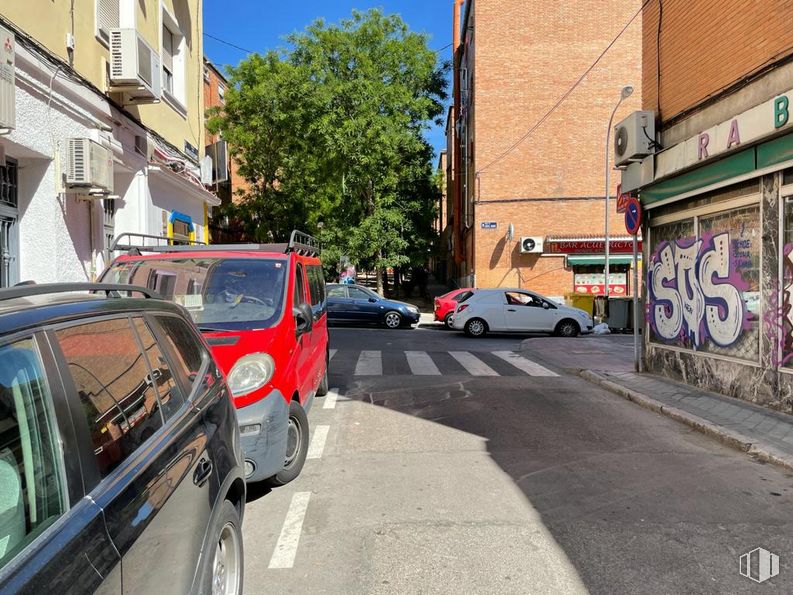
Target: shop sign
{"x": 488, "y": 225}
{"x": 747, "y": 127}
{"x": 592, "y": 283}
{"x": 590, "y": 246}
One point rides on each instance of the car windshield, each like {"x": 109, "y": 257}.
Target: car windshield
{"x": 219, "y": 293}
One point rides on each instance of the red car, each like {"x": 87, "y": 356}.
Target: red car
{"x": 262, "y": 310}
{"x": 445, "y": 304}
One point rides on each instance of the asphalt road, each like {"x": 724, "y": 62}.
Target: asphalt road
{"x": 431, "y": 474}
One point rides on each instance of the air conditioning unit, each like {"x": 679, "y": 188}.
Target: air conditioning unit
{"x": 7, "y": 79}
{"x": 634, "y": 138}
{"x": 134, "y": 66}
{"x": 89, "y": 165}
{"x": 219, "y": 153}
{"x": 531, "y": 245}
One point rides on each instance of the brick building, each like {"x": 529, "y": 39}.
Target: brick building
{"x": 718, "y": 195}
{"x": 515, "y": 59}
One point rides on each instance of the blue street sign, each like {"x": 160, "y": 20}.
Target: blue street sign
{"x": 633, "y": 216}
{"x": 489, "y": 225}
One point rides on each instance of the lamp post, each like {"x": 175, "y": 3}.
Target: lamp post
{"x": 624, "y": 94}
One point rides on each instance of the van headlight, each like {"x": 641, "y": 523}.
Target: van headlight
{"x": 251, "y": 372}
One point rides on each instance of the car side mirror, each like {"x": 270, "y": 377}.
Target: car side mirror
{"x": 373, "y": 300}
{"x": 545, "y": 305}
{"x": 304, "y": 318}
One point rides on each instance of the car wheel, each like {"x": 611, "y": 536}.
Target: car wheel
{"x": 296, "y": 446}
{"x": 393, "y": 319}
{"x": 223, "y": 566}
{"x": 568, "y": 328}
{"x": 322, "y": 389}
{"x": 448, "y": 320}
{"x": 476, "y": 327}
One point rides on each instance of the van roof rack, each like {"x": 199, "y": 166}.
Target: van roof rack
{"x": 299, "y": 242}
{"x": 31, "y": 289}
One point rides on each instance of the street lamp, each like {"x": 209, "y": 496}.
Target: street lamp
{"x": 624, "y": 94}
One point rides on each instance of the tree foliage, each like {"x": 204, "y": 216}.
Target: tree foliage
{"x": 332, "y": 130}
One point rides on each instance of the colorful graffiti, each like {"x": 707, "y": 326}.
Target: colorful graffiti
{"x": 695, "y": 290}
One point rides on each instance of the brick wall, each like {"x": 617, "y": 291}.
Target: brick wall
{"x": 527, "y": 55}
{"x": 708, "y": 45}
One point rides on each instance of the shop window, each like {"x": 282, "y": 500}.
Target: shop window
{"x": 786, "y": 309}
{"x": 703, "y": 283}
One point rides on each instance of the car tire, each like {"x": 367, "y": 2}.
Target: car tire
{"x": 296, "y": 446}
{"x": 224, "y": 561}
{"x": 476, "y": 327}
{"x": 323, "y": 387}
{"x": 567, "y": 328}
{"x": 448, "y": 320}
{"x": 392, "y": 319}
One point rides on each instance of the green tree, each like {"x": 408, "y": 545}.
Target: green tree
{"x": 332, "y": 129}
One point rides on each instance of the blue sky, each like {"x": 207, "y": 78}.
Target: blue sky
{"x": 260, "y": 25}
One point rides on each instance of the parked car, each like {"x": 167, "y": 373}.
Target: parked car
{"x": 262, "y": 310}
{"x": 119, "y": 447}
{"x": 355, "y": 303}
{"x": 446, "y": 303}
{"x": 518, "y": 310}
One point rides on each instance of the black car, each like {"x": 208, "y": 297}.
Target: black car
{"x": 120, "y": 459}
{"x": 355, "y": 303}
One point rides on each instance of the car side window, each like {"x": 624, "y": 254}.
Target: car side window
{"x": 188, "y": 352}
{"x": 337, "y": 292}
{"x": 461, "y": 297}
{"x": 300, "y": 291}
{"x": 115, "y": 388}
{"x": 316, "y": 285}
{"x": 358, "y": 294}
{"x": 516, "y": 298}
{"x": 171, "y": 398}
{"x": 32, "y": 488}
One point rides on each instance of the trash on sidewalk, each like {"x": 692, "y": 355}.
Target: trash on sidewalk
{"x": 601, "y": 329}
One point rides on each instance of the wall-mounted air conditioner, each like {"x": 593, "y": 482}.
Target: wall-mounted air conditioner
{"x": 634, "y": 138}
{"x": 219, "y": 153}
{"x": 531, "y": 245}
{"x": 7, "y": 79}
{"x": 134, "y": 66}
{"x": 89, "y": 165}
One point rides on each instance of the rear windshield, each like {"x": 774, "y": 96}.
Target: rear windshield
{"x": 219, "y": 293}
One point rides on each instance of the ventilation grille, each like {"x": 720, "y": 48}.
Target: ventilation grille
{"x": 116, "y": 54}
{"x": 77, "y": 168}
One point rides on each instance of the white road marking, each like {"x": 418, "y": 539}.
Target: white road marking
{"x": 370, "y": 363}
{"x": 286, "y": 547}
{"x": 318, "y": 442}
{"x": 474, "y": 365}
{"x": 329, "y": 402}
{"x": 332, "y": 353}
{"x": 421, "y": 364}
{"x": 522, "y": 363}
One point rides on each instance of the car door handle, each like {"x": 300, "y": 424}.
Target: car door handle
{"x": 511, "y": 310}
{"x": 202, "y": 472}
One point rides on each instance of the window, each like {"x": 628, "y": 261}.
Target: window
{"x": 9, "y": 241}
{"x": 461, "y": 297}
{"x": 115, "y": 388}
{"x": 316, "y": 284}
{"x": 170, "y": 398}
{"x": 337, "y": 292}
{"x": 357, "y": 293}
{"x": 173, "y": 51}
{"x": 32, "y": 488}
{"x": 109, "y": 225}
{"x": 300, "y": 290}
{"x": 221, "y": 93}
{"x": 206, "y": 73}
{"x": 516, "y": 298}
{"x": 107, "y": 17}
{"x": 188, "y": 352}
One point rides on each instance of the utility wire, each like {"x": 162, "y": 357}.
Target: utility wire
{"x": 228, "y": 43}
{"x": 567, "y": 93}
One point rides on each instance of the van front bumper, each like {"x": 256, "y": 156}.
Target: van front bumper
{"x": 263, "y": 434}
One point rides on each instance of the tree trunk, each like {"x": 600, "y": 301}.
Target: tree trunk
{"x": 380, "y": 272}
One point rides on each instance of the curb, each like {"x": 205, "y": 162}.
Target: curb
{"x": 759, "y": 450}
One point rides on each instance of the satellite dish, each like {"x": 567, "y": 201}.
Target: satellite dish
{"x": 510, "y": 232}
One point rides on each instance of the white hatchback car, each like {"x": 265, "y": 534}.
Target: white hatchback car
{"x": 518, "y": 310}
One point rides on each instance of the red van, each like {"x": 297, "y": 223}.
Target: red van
{"x": 262, "y": 310}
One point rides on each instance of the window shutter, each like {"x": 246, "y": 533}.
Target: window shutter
{"x": 106, "y": 15}
{"x": 167, "y": 49}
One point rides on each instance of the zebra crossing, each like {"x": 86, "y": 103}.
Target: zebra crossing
{"x": 434, "y": 363}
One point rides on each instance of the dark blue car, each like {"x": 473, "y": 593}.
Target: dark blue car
{"x": 358, "y": 304}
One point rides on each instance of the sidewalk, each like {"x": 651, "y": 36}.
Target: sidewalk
{"x": 762, "y": 433}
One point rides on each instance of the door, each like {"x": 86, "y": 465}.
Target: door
{"x": 524, "y": 312}
{"x": 144, "y": 449}
{"x": 338, "y": 303}
{"x": 9, "y": 242}
{"x": 365, "y": 306}
{"x": 303, "y": 347}
{"x": 52, "y": 539}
